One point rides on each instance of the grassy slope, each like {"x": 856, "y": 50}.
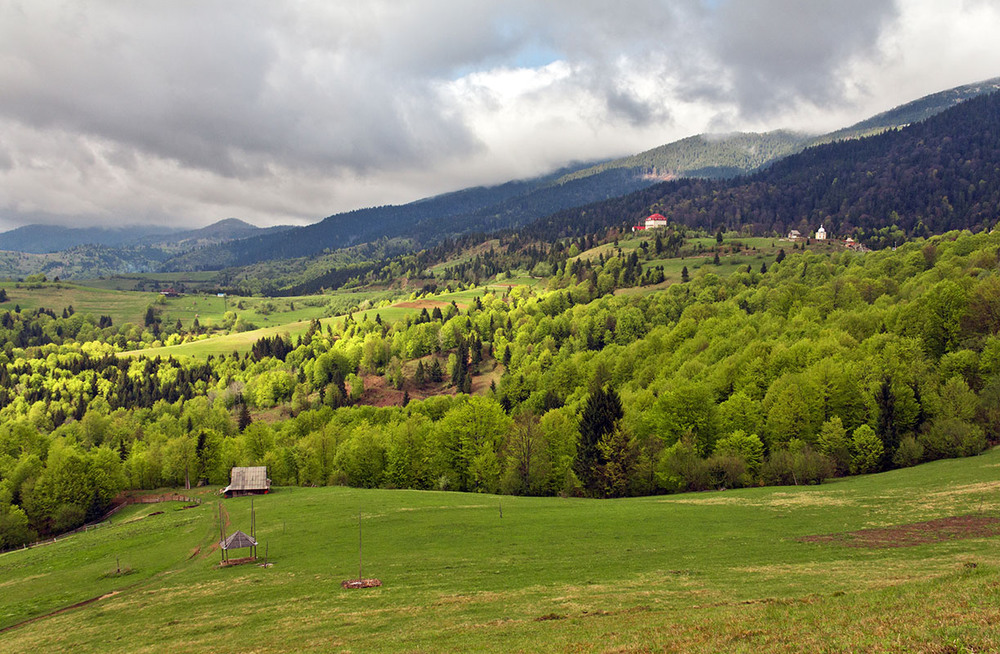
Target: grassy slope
{"x": 122, "y": 306}
{"x": 702, "y": 572}
{"x": 242, "y": 342}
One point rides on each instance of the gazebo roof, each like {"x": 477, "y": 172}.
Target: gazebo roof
{"x": 237, "y": 540}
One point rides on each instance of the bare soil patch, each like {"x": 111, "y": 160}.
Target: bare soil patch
{"x": 917, "y": 533}
{"x": 360, "y": 583}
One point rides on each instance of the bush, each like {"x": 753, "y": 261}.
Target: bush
{"x": 67, "y": 516}
{"x": 833, "y": 443}
{"x": 14, "y": 530}
{"x": 909, "y": 453}
{"x": 951, "y": 437}
{"x": 748, "y": 448}
{"x": 728, "y": 471}
{"x": 682, "y": 469}
{"x": 798, "y": 464}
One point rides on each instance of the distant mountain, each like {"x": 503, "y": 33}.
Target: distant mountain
{"x": 711, "y": 156}
{"x": 912, "y": 112}
{"x": 929, "y": 177}
{"x": 518, "y": 203}
{"x": 42, "y": 239}
{"x": 95, "y": 252}
{"x": 230, "y": 229}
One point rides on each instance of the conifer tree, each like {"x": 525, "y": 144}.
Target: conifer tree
{"x": 601, "y": 414}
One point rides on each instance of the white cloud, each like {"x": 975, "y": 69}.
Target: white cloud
{"x": 273, "y": 112}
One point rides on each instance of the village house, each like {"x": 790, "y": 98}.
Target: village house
{"x": 247, "y": 481}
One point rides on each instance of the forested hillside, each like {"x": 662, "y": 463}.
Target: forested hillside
{"x": 930, "y": 177}
{"x": 823, "y": 364}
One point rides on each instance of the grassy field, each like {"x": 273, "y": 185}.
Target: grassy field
{"x": 122, "y": 306}
{"x": 707, "y": 572}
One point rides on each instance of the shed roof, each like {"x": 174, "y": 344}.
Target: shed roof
{"x": 237, "y": 540}
{"x": 252, "y": 478}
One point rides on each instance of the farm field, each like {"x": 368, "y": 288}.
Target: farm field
{"x": 730, "y": 571}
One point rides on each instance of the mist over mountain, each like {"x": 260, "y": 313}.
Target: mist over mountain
{"x": 519, "y": 203}
{"x": 929, "y": 177}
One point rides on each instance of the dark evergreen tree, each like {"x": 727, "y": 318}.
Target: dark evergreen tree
{"x": 243, "y": 418}
{"x": 886, "y": 428}
{"x": 601, "y": 414}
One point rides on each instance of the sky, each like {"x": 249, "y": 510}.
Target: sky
{"x": 186, "y": 112}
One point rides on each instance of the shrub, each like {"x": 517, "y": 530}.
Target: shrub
{"x": 950, "y": 437}
{"x": 909, "y": 453}
{"x": 833, "y": 442}
{"x": 749, "y": 448}
{"x": 797, "y": 464}
{"x": 682, "y": 469}
{"x": 728, "y": 471}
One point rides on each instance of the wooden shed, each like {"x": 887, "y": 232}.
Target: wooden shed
{"x": 247, "y": 481}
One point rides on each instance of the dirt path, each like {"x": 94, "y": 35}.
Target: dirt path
{"x": 226, "y": 522}
{"x": 62, "y": 610}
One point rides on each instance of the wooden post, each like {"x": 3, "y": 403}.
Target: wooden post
{"x": 222, "y": 531}
{"x": 359, "y": 546}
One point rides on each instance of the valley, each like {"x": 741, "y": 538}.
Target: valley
{"x": 730, "y": 430}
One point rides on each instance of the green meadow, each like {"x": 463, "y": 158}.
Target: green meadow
{"x": 122, "y": 306}
{"x": 707, "y": 572}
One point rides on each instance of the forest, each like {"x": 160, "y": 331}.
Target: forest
{"x": 829, "y": 362}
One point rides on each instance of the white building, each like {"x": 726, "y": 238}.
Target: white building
{"x": 821, "y": 233}
{"x": 656, "y": 220}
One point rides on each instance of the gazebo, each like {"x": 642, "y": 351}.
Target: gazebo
{"x": 238, "y": 540}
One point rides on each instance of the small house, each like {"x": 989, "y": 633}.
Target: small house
{"x": 247, "y": 481}
{"x": 794, "y": 235}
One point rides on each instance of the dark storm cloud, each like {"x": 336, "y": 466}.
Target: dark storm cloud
{"x": 772, "y": 52}
{"x": 291, "y": 111}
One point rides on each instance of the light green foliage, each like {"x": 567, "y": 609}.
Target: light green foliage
{"x": 747, "y": 447}
{"x": 833, "y": 442}
{"x": 469, "y": 438}
{"x": 866, "y": 450}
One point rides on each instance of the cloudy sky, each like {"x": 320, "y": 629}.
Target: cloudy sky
{"x": 188, "y": 112}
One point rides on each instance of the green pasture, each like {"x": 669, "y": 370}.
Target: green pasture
{"x": 210, "y": 309}
{"x": 122, "y": 306}
{"x": 705, "y": 572}
{"x": 146, "y": 281}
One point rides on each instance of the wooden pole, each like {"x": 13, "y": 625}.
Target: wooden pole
{"x": 359, "y": 546}
{"x": 222, "y": 531}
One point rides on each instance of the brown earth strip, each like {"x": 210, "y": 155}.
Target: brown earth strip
{"x": 58, "y": 611}
{"x": 917, "y": 533}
